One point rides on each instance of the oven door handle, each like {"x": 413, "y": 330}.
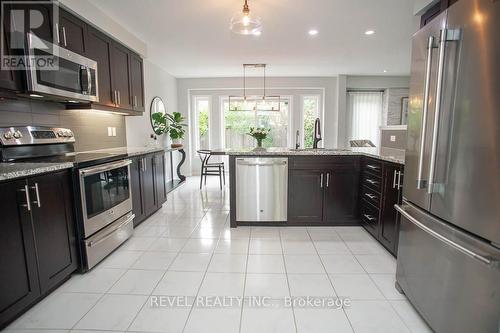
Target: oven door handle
{"x": 111, "y": 232}
{"x": 104, "y": 167}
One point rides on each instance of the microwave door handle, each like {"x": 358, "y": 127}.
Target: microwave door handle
{"x": 427, "y": 86}
{"x": 89, "y": 81}
{"x": 437, "y": 109}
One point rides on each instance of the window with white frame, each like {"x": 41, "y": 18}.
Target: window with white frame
{"x": 201, "y": 108}
{"x": 365, "y": 115}
{"x": 237, "y": 123}
{"x": 310, "y": 111}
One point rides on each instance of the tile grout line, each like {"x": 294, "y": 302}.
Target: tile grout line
{"x": 287, "y": 281}
{"x": 245, "y": 280}
{"x": 202, "y": 280}
{"x": 156, "y": 285}
{"x": 330, "y": 280}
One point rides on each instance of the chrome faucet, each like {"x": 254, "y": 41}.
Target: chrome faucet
{"x": 317, "y": 133}
{"x": 297, "y": 139}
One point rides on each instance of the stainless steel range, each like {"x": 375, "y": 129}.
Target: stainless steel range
{"x": 101, "y": 183}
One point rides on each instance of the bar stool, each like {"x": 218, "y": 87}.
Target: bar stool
{"x": 210, "y": 169}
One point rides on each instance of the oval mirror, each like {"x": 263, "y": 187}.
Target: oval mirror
{"x": 157, "y": 116}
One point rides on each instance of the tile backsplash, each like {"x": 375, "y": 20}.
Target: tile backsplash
{"x": 89, "y": 126}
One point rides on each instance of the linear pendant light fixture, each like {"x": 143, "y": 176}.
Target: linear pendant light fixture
{"x": 254, "y": 103}
{"x": 244, "y": 24}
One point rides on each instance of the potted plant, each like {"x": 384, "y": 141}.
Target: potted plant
{"x": 176, "y": 128}
{"x": 259, "y": 134}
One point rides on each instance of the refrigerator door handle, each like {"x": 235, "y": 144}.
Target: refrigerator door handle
{"x": 445, "y": 240}
{"x": 427, "y": 86}
{"x": 437, "y": 110}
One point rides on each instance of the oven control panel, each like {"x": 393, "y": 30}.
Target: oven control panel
{"x": 32, "y": 135}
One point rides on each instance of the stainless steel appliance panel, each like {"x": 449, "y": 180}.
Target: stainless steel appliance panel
{"x": 452, "y": 278}
{"x": 107, "y": 240}
{"x": 466, "y": 190}
{"x": 106, "y": 194}
{"x": 261, "y": 189}
{"x": 421, "y": 111}
{"x": 75, "y": 78}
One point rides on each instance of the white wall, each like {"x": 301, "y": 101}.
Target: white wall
{"x": 157, "y": 82}
{"x": 326, "y": 87}
{"x": 363, "y": 82}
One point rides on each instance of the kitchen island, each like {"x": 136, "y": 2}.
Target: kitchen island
{"x": 318, "y": 187}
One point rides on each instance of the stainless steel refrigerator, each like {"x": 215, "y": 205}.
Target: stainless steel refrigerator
{"x": 449, "y": 243}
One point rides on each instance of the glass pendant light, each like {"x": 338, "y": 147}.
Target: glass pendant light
{"x": 244, "y": 24}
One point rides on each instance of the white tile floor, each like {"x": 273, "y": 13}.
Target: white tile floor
{"x": 187, "y": 249}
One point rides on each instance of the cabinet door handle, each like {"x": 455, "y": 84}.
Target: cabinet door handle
{"x": 144, "y": 164}
{"x": 27, "y": 194}
{"x": 371, "y": 181}
{"x": 373, "y": 167}
{"x": 394, "y": 179}
{"x": 371, "y": 196}
{"x": 327, "y": 179}
{"x": 64, "y": 36}
{"x": 321, "y": 181}
{"x": 58, "y": 38}
{"x": 399, "y": 180}
{"x": 37, "y": 192}
{"x": 119, "y": 98}
{"x": 135, "y": 101}
{"x": 369, "y": 217}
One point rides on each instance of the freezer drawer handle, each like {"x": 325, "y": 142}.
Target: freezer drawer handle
{"x": 440, "y": 237}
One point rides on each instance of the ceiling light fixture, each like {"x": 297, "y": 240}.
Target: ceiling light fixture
{"x": 244, "y": 24}
{"x": 254, "y": 103}
{"x": 369, "y": 32}
{"x": 313, "y": 32}
{"x": 385, "y": 70}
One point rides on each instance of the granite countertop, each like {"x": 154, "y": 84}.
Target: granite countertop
{"x": 385, "y": 154}
{"x": 22, "y": 169}
{"x": 135, "y": 151}
{"x": 12, "y": 170}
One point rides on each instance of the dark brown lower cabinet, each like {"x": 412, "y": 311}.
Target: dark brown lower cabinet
{"x": 148, "y": 183}
{"x": 305, "y": 196}
{"x": 37, "y": 242}
{"x": 381, "y": 189}
{"x": 323, "y": 190}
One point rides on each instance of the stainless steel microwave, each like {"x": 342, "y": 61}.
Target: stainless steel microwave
{"x": 60, "y": 73}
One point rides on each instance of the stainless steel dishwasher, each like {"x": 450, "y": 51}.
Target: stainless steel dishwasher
{"x": 261, "y": 189}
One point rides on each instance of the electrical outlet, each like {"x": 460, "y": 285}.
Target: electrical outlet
{"x": 113, "y": 131}
{"x": 110, "y": 131}
{"x": 393, "y": 138}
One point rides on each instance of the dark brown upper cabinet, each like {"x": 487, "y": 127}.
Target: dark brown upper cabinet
{"x": 71, "y": 33}
{"x": 120, "y": 76}
{"x": 99, "y": 49}
{"x": 137, "y": 82}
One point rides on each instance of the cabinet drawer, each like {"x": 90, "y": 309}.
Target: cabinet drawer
{"x": 371, "y": 181}
{"x": 369, "y": 217}
{"x": 325, "y": 162}
{"x": 371, "y": 196}
{"x": 372, "y": 166}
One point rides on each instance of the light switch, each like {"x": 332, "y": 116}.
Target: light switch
{"x": 393, "y": 138}
{"x": 113, "y": 131}
{"x": 110, "y": 131}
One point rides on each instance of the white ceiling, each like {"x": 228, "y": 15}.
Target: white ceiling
{"x": 191, "y": 38}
